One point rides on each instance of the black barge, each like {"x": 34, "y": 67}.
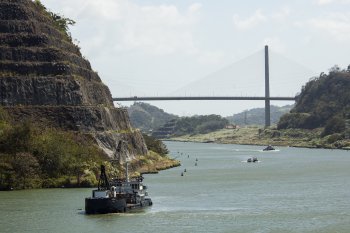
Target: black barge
{"x": 117, "y": 195}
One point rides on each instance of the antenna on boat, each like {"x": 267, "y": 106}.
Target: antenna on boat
{"x": 127, "y": 170}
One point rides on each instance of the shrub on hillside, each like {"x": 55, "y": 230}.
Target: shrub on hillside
{"x": 297, "y": 120}
{"x": 155, "y": 145}
{"x": 334, "y": 125}
{"x": 33, "y": 156}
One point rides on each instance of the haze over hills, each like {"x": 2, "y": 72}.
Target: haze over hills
{"x": 242, "y": 78}
{"x": 256, "y": 116}
{"x": 149, "y": 118}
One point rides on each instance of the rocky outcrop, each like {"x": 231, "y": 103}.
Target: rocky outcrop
{"x": 45, "y": 79}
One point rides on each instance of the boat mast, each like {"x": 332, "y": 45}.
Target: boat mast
{"x": 103, "y": 183}
{"x": 127, "y": 171}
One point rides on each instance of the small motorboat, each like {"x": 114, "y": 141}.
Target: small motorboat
{"x": 268, "y": 148}
{"x": 252, "y": 160}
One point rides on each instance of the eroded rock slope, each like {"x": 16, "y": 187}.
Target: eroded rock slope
{"x": 44, "y": 78}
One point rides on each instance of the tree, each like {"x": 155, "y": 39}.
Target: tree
{"x": 155, "y": 145}
{"x": 62, "y": 23}
{"x": 16, "y": 139}
{"x": 6, "y": 172}
{"x": 334, "y": 125}
{"x": 26, "y": 168}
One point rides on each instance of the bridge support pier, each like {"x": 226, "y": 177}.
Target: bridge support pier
{"x": 267, "y": 89}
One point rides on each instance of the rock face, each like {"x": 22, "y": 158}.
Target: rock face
{"x": 44, "y": 78}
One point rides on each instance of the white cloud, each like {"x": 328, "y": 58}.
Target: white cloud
{"x": 323, "y": 2}
{"x": 125, "y": 25}
{"x": 326, "y": 2}
{"x": 284, "y": 13}
{"x": 335, "y": 24}
{"x": 243, "y": 24}
{"x": 158, "y": 29}
{"x": 258, "y": 17}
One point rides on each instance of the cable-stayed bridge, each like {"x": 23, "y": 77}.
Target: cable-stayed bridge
{"x": 153, "y": 98}
{"x": 211, "y": 81}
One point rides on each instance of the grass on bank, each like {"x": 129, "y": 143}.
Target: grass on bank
{"x": 32, "y": 156}
{"x": 260, "y": 136}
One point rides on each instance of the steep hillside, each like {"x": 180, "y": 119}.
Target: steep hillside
{"x": 148, "y": 117}
{"x": 57, "y": 118}
{"x": 44, "y": 78}
{"x": 323, "y": 102}
{"x": 256, "y": 116}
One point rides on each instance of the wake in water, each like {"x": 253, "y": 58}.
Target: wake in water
{"x": 246, "y": 150}
{"x": 275, "y": 150}
{"x": 252, "y": 150}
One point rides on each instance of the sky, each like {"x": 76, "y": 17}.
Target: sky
{"x": 168, "y": 47}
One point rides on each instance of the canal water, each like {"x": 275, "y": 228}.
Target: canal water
{"x": 289, "y": 190}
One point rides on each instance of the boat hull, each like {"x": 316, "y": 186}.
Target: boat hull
{"x": 112, "y": 205}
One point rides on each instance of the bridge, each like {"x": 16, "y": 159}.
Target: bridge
{"x": 145, "y": 98}
{"x": 267, "y": 98}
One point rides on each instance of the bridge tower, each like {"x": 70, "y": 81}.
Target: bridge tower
{"x": 267, "y": 88}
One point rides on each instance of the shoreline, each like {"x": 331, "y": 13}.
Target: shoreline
{"x": 153, "y": 165}
{"x": 252, "y": 144}
{"x": 255, "y": 136}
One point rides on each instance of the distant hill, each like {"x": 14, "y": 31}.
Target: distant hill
{"x": 148, "y": 117}
{"x": 256, "y": 116}
{"x": 323, "y": 102}
{"x": 191, "y": 125}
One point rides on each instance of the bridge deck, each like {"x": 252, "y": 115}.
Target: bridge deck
{"x": 139, "y": 98}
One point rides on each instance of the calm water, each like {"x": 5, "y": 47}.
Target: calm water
{"x": 291, "y": 190}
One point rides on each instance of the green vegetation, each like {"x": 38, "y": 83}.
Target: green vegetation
{"x": 199, "y": 124}
{"x": 60, "y": 22}
{"x": 319, "y": 119}
{"x": 32, "y": 157}
{"x": 324, "y": 102}
{"x": 152, "y": 163}
{"x": 155, "y": 145}
{"x": 258, "y": 136}
{"x": 148, "y": 117}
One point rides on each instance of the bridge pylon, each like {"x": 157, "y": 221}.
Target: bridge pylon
{"x": 267, "y": 89}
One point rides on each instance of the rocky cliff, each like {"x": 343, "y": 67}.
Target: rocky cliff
{"x": 45, "y": 79}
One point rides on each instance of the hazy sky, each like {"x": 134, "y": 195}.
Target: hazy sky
{"x": 154, "y": 47}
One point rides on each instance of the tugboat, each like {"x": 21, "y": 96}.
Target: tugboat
{"x": 117, "y": 195}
